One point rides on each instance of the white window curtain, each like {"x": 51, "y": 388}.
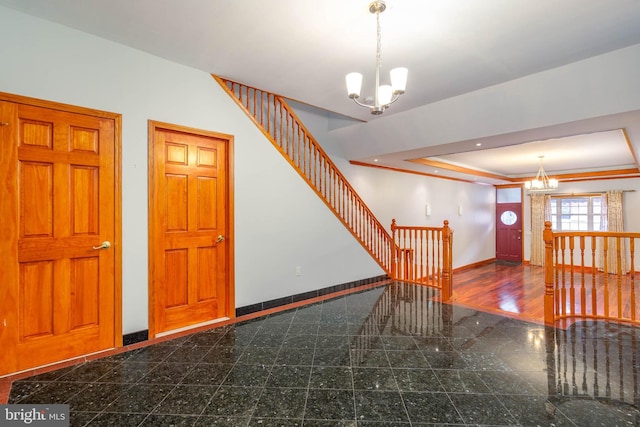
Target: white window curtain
{"x": 540, "y": 212}
{"x": 612, "y": 220}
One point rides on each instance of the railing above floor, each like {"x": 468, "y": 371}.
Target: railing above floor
{"x": 423, "y": 255}
{"x": 585, "y": 276}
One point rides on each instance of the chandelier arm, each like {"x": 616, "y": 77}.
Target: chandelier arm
{"x": 361, "y": 103}
{"x": 394, "y": 99}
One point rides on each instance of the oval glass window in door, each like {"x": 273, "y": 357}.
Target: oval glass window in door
{"x": 508, "y": 217}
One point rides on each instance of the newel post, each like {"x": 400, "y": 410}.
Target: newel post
{"x": 547, "y": 235}
{"x": 394, "y": 251}
{"x": 447, "y": 290}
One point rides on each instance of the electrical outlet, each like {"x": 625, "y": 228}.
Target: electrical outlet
{"x": 298, "y": 271}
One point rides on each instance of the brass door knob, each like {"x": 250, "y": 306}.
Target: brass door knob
{"x": 104, "y": 245}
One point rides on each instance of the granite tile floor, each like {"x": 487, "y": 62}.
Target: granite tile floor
{"x": 388, "y": 356}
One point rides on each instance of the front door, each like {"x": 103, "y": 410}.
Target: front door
{"x": 58, "y": 214}
{"x": 509, "y": 232}
{"x": 190, "y": 247}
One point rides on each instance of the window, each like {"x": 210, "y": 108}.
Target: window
{"x": 508, "y": 217}
{"x": 576, "y": 213}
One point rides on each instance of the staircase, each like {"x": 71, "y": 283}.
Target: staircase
{"x": 277, "y": 121}
{"x": 420, "y": 255}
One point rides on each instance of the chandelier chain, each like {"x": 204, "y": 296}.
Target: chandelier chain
{"x": 379, "y": 40}
{"x": 384, "y": 95}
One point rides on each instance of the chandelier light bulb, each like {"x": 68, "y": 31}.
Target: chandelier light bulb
{"x": 354, "y": 84}
{"x": 385, "y": 93}
{"x": 399, "y": 80}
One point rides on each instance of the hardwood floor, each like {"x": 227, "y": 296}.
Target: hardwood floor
{"x": 518, "y": 291}
{"x": 502, "y": 288}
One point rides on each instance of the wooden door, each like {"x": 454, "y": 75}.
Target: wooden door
{"x": 190, "y": 246}
{"x": 509, "y": 232}
{"x": 58, "y": 295}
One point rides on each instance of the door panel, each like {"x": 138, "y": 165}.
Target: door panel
{"x": 36, "y": 197}
{"x": 189, "y": 206}
{"x": 509, "y": 232}
{"x": 58, "y": 292}
{"x": 36, "y": 295}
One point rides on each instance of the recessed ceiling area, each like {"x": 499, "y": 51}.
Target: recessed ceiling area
{"x": 595, "y": 152}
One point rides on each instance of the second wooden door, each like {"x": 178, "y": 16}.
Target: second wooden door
{"x": 190, "y": 247}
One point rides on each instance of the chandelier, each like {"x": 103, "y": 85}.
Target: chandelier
{"x": 541, "y": 182}
{"x": 384, "y": 95}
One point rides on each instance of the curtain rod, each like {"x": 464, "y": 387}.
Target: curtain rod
{"x": 585, "y": 193}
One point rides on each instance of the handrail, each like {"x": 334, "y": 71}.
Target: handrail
{"x": 423, "y": 255}
{"x": 281, "y": 126}
{"x": 577, "y": 287}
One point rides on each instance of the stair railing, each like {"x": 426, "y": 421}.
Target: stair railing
{"x": 423, "y": 255}
{"x": 273, "y": 116}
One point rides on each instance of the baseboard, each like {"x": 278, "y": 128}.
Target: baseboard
{"x": 248, "y": 309}
{"x": 474, "y": 265}
{"x": 140, "y": 336}
{"x": 135, "y": 337}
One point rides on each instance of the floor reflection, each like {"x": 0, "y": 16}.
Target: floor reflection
{"x": 388, "y": 356}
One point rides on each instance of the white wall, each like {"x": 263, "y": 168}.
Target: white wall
{"x": 404, "y": 196}
{"x": 279, "y": 222}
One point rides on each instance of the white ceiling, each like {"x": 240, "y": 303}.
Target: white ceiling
{"x": 302, "y": 49}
